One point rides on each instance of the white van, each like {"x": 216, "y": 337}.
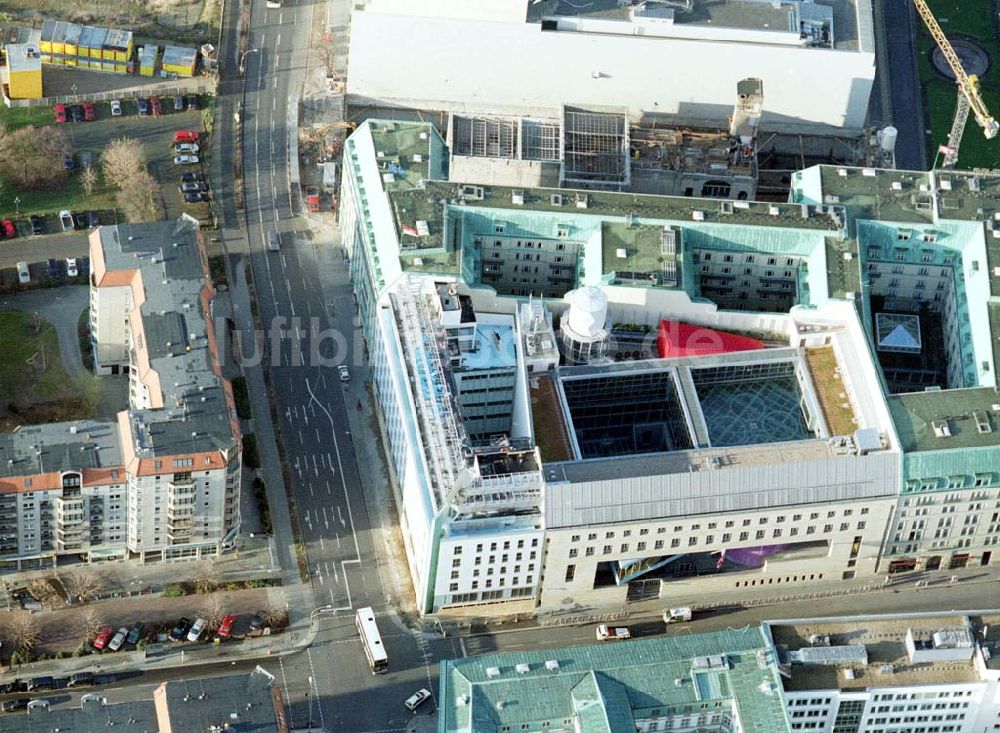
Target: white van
{"x": 23, "y": 276}
{"x": 273, "y": 241}
{"x": 417, "y": 699}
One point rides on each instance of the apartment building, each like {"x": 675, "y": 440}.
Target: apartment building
{"x": 921, "y": 673}
{"x": 813, "y": 426}
{"x": 162, "y": 481}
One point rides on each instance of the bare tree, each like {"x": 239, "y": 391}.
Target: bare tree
{"x": 83, "y": 585}
{"x": 213, "y": 611}
{"x": 24, "y": 630}
{"x": 32, "y": 160}
{"x": 276, "y": 618}
{"x": 122, "y": 160}
{"x": 204, "y": 584}
{"x": 88, "y": 624}
{"x": 88, "y": 177}
{"x": 139, "y": 199}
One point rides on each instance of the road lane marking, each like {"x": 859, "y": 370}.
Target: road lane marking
{"x": 340, "y": 515}
{"x": 328, "y": 487}
{"x": 315, "y": 467}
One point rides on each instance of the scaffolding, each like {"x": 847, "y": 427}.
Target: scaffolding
{"x": 444, "y": 439}
{"x": 454, "y": 474}
{"x": 595, "y": 149}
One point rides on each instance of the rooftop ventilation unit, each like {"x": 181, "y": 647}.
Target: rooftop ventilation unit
{"x": 621, "y": 253}
{"x": 517, "y": 197}
{"x": 475, "y": 193}
{"x": 492, "y": 672}
{"x": 869, "y": 172}
{"x": 522, "y": 668}
{"x": 941, "y": 428}
{"x": 945, "y": 184}
{"x": 773, "y": 210}
{"x": 556, "y": 199}
{"x": 582, "y": 201}
{"x": 417, "y": 158}
{"x": 982, "y": 422}
{"x": 897, "y": 185}
{"x": 698, "y": 215}
{"x": 726, "y": 207}
{"x": 552, "y": 665}
{"x": 842, "y": 172}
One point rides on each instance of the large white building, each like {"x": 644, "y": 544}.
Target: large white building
{"x": 919, "y": 673}
{"x": 163, "y": 481}
{"x": 681, "y": 59}
{"x": 591, "y": 397}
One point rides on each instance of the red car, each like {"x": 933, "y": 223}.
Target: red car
{"x": 89, "y": 115}
{"x": 226, "y": 627}
{"x": 103, "y": 638}
{"x": 60, "y": 110}
{"x": 154, "y": 102}
{"x": 9, "y": 231}
{"x": 185, "y": 136}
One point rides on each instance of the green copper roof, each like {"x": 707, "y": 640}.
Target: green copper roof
{"x": 607, "y": 687}
{"x": 964, "y": 411}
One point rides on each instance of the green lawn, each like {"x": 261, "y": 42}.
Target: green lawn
{"x": 957, "y": 18}
{"x": 13, "y": 118}
{"x": 33, "y": 382}
{"x": 70, "y": 196}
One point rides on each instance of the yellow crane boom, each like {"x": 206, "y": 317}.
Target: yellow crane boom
{"x": 968, "y": 84}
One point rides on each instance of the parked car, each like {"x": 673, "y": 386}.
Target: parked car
{"x": 190, "y": 186}
{"x": 10, "y": 706}
{"x": 81, "y": 679}
{"x": 143, "y": 106}
{"x": 226, "y": 625}
{"x": 185, "y": 136}
{"x": 135, "y": 634}
{"x": 40, "y": 683}
{"x": 9, "y": 230}
{"x": 417, "y": 699}
{"x": 37, "y": 225}
{"x": 192, "y": 176}
{"x": 68, "y": 162}
{"x": 66, "y": 219}
{"x": 178, "y": 103}
{"x": 186, "y": 147}
{"x": 186, "y": 160}
{"x": 76, "y": 112}
{"x": 23, "y": 274}
{"x": 345, "y": 374}
{"x": 195, "y": 198}
{"x": 196, "y": 629}
{"x": 9, "y": 688}
{"x": 257, "y": 622}
{"x": 116, "y": 643}
{"x": 116, "y": 108}
{"x": 53, "y": 269}
{"x": 180, "y": 630}
{"x": 72, "y": 270}
{"x": 89, "y": 113}
{"x": 613, "y": 633}
{"x": 60, "y": 112}
{"x": 93, "y": 221}
{"x": 103, "y": 638}
{"x": 79, "y": 220}
{"x": 157, "y": 108}
{"x": 194, "y": 102}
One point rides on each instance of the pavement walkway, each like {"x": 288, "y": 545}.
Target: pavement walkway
{"x": 62, "y": 308}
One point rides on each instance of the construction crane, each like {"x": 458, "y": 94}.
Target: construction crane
{"x": 969, "y": 98}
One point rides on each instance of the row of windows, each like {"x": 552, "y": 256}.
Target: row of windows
{"x": 707, "y": 257}
{"x": 729, "y": 523}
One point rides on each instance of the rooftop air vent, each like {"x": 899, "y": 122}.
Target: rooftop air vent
{"x": 941, "y": 428}
{"x": 869, "y": 172}
{"x": 552, "y": 665}
{"x": 517, "y": 197}
{"x": 945, "y": 184}
{"x": 522, "y": 668}
{"x": 982, "y": 421}
{"x": 492, "y": 672}
{"x": 556, "y": 199}
{"x": 621, "y": 253}
{"x": 897, "y": 185}
{"x": 773, "y": 210}
{"x": 842, "y": 172}
{"x": 581, "y": 201}
{"x": 697, "y": 215}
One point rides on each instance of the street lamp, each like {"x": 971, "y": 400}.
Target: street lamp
{"x": 73, "y": 89}
{"x": 17, "y": 205}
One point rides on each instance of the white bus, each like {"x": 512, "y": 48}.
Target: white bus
{"x": 372, "y": 641}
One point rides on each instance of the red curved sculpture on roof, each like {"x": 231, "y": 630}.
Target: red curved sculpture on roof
{"x": 676, "y": 339}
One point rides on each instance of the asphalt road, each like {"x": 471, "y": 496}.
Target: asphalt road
{"x": 899, "y": 39}
{"x": 309, "y": 395}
